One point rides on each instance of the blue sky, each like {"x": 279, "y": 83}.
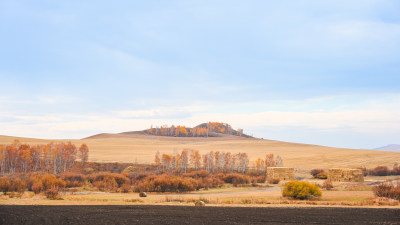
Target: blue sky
{"x": 319, "y": 72}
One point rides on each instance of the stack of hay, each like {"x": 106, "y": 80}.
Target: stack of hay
{"x": 283, "y": 173}
{"x": 345, "y": 175}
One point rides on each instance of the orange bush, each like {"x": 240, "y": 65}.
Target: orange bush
{"x": 396, "y": 170}
{"x": 258, "y": 179}
{"x": 119, "y": 178}
{"x": 52, "y": 193}
{"x": 166, "y": 183}
{"x": 44, "y": 182}
{"x": 388, "y": 189}
{"x": 108, "y": 181}
{"x": 5, "y": 184}
{"x": 235, "y": 178}
{"x": 73, "y": 179}
{"x": 209, "y": 182}
{"x": 125, "y": 188}
{"x": 17, "y": 185}
{"x": 107, "y": 184}
{"x": 37, "y": 187}
{"x": 198, "y": 174}
{"x": 380, "y": 171}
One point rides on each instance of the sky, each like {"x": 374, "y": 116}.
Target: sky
{"x": 306, "y": 71}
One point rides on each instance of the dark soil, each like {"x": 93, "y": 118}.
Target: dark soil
{"x": 134, "y": 214}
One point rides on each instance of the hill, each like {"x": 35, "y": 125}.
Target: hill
{"x": 141, "y": 147}
{"x": 210, "y": 129}
{"x": 392, "y": 147}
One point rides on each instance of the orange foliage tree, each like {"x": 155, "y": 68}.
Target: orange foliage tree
{"x": 24, "y": 158}
{"x": 212, "y": 162}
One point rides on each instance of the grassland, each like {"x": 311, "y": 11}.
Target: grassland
{"x": 344, "y": 194}
{"x": 142, "y": 148}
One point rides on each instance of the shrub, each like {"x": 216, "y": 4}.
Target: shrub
{"x": 44, "y": 182}
{"x": 166, "y": 183}
{"x": 125, "y": 188}
{"x": 73, "y": 179}
{"x": 322, "y": 175}
{"x": 5, "y": 185}
{"x": 129, "y": 171}
{"x": 327, "y": 185}
{"x": 274, "y": 180}
{"x": 209, "y": 182}
{"x": 235, "y": 178}
{"x": 37, "y": 187}
{"x": 258, "y": 179}
{"x": 106, "y": 181}
{"x": 387, "y": 189}
{"x": 380, "y": 171}
{"x": 301, "y": 190}
{"x": 52, "y": 193}
{"x": 395, "y": 170}
{"x": 315, "y": 172}
{"x": 17, "y": 185}
{"x": 198, "y": 174}
{"x": 107, "y": 184}
{"x": 105, "y": 176}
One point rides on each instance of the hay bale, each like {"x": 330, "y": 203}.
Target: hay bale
{"x": 143, "y": 194}
{"x": 199, "y": 203}
{"x": 282, "y": 173}
{"x": 345, "y": 175}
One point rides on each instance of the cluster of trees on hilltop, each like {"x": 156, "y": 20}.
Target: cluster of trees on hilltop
{"x": 51, "y": 158}
{"x": 203, "y": 130}
{"x": 212, "y": 162}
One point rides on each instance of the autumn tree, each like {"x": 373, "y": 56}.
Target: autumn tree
{"x": 84, "y": 153}
{"x": 166, "y": 161}
{"x": 243, "y": 162}
{"x": 157, "y": 160}
{"x": 260, "y": 165}
{"x": 195, "y": 159}
{"x": 184, "y": 160}
{"x": 212, "y": 162}
{"x": 271, "y": 161}
{"x": 23, "y": 158}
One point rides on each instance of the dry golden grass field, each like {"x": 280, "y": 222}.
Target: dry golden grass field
{"x": 343, "y": 194}
{"x": 142, "y": 148}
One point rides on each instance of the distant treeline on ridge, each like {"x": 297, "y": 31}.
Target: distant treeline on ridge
{"x": 210, "y": 129}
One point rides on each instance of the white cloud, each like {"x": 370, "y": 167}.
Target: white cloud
{"x": 375, "y": 116}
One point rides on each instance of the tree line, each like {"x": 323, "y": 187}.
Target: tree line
{"x": 50, "y": 158}
{"x": 212, "y": 162}
{"x": 203, "y": 130}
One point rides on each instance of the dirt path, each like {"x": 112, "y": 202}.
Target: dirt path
{"x": 193, "y": 215}
{"x": 196, "y": 193}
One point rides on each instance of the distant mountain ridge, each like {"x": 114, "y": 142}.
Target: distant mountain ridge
{"x": 392, "y": 147}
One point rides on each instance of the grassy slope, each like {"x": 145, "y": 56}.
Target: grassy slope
{"x": 131, "y": 147}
